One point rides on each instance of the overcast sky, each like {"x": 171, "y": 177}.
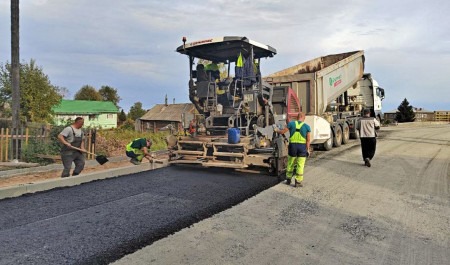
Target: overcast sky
{"x": 130, "y": 45}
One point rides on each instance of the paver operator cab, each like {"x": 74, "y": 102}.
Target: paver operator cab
{"x": 237, "y": 108}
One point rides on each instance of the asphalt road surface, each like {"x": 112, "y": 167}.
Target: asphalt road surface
{"x": 395, "y": 212}
{"x": 99, "y": 222}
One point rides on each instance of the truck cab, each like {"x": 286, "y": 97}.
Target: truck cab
{"x": 366, "y": 93}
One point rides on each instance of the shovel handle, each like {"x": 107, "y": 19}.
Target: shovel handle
{"x": 81, "y": 150}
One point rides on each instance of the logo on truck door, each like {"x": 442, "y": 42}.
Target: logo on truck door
{"x": 335, "y": 81}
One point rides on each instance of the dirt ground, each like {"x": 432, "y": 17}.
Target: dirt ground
{"x": 395, "y": 212}
{"x": 54, "y": 174}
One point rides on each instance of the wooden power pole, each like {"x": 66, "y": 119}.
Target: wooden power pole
{"x": 15, "y": 75}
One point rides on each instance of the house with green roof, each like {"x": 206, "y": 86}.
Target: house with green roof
{"x": 96, "y": 114}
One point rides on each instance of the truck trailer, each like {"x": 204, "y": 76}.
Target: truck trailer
{"x": 332, "y": 90}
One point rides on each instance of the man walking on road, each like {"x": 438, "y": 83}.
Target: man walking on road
{"x": 299, "y": 142}
{"x": 367, "y": 127}
{"x": 72, "y": 136}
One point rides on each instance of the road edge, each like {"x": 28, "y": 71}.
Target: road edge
{"x": 19, "y": 190}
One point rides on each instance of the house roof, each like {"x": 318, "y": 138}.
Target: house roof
{"x": 85, "y": 107}
{"x": 171, "y": 112}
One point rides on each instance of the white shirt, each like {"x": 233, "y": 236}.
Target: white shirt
{"x": 367, "y": 127}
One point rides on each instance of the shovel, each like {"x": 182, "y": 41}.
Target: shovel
{"x": 101, "y": 159}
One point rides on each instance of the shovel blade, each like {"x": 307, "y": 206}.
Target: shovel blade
{"x": 101, "y": 159}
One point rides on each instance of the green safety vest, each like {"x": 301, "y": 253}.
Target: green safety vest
{"x": 131, "y": 149}
{"x": 240, "y": 61}
{"x": 296, "y": 137}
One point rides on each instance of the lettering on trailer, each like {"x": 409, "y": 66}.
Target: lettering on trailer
{"x": 200, "y": 42}
{"x": 334, "y": 82}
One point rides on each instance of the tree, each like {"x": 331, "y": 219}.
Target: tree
{"x": 5, "y": 90}
{"x": 109, "y": 94}
{"x": 136, "y": 111}
{"x": 405, "y": 112}
{"x": 122, "y": 117}
{"x": 63, "y": 92}
{"x": 88, "y": 92}
{"x": 37, "y": 94}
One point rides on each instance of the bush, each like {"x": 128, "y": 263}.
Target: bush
{"x": 109, "y": 142}
{"x": 112, "y": 142}
{"x": 37, "y": 144}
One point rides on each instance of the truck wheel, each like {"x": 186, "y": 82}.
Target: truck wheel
{"x": 328, "y": 145}
{"x": 337, "y": 137}
{"x": 345, "y": 134}
{"x": 354, "y": 135}
{"x": 379, "y": 119}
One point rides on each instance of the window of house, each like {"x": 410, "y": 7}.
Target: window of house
{"x": 92, "y": 117}
{"x": 109, "y": 116}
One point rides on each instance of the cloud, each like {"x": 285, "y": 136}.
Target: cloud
{"x": 131, "y": 45}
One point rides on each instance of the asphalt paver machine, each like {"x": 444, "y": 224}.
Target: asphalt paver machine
{"x": 236, "y": 108}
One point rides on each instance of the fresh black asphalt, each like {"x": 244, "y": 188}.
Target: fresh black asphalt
{"x": 101, "y": 221}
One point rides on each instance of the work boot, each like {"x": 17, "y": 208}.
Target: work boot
{"x": 135, "y": 161}
{"x": 288, "y": 182}
{"x": 298, "y": 184}
{"x": 367, "y": 162}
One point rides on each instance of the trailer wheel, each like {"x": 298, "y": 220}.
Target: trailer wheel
{"x": 345, "y": 134}
{"x": 337, "y": 137}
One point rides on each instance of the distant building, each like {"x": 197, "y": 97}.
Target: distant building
{"x": 421, "y": 115}
{"x": 442, "y": 115}
{"x": 165, "y": 117}
{"x": 390, "y": 115}
{"x": 97, "y": 114}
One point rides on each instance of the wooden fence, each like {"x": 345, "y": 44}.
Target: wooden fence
{"x": 15, "y": 143}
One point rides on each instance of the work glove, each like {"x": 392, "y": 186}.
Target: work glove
{"x": 275, "y": 128}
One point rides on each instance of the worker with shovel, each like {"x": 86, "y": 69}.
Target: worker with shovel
{"x": 138, "y": 149}
{"x": 72, "y": 136}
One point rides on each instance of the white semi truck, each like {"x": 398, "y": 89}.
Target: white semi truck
{"x": 333, "y": 90}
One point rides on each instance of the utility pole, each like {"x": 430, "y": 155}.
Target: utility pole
{"x": 15, "y": 76}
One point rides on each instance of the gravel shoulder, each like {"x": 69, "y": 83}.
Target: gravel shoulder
{"x": 55, "y": 172}
{"x": 396, "y": 212}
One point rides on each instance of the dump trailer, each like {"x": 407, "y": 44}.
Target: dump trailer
{"x": 236, "y": 113}
{"x": 333, "y": 90}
